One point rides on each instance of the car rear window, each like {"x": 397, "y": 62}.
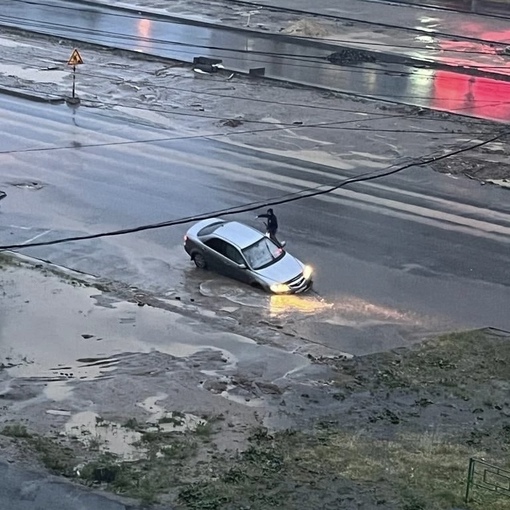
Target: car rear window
{"x": 209, "y": 229}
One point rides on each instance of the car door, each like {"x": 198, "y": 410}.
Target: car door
{"x": 227, "y": 259}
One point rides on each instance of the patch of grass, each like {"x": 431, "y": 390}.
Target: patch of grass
{"x": 454, "y": 360}
{"x": 297, "y": 470}
{"x": 101, "y": 422}
{"x": 175, "y": 419}
{"x": 154, "y": 437}
{"x": 15, "y": 430}
{"x": 180, "y": 450}
{"x": 426, "y": 472}
{"x": 94, "y": 444}
{"x": 132, "y": 424}
{"x": 105, "y": 469}
{"x": 256, "y": 479}
{"x": 204, "y": 430}
{"x": 55, "y": 457}
{"x": 202, "y": 496}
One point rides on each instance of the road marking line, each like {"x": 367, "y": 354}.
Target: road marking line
{"x": 17, "y": 226}
{"x": 37, "y": 236}
{"x": 386, "y": 206}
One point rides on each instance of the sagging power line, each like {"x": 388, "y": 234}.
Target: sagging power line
{"x": 285, "y": 199}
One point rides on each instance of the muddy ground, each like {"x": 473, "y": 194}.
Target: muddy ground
{"x": 132, "y": 398}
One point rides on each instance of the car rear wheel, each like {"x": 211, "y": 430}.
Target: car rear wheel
{"x": 199, "y": 261}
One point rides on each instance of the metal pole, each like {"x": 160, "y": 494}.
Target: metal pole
{"x": 471, "y": 471}
{"x": 74, "y": 80}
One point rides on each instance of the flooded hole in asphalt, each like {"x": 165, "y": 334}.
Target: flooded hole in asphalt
{"x": 62, "y": 335}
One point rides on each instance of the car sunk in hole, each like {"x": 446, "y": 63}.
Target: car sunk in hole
{"x": 245, "y": 254}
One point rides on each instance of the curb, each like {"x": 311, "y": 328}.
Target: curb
{"x": 31, "y": 96}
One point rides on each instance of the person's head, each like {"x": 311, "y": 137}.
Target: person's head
{"x": 269, "y": 211}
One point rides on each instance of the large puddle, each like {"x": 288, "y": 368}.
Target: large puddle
{"x": 57, "y": 331}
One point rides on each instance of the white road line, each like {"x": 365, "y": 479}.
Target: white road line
{"x": 17, "y": 226}
{"x": 37, "y": 236}
{"x": 420, "y": 214}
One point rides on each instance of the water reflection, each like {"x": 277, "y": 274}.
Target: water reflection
{"x": 283, "y": 304}
{"x": 357, "y": 309}
{"x": 481, "y": 97}
{"x": 143, "y": 32}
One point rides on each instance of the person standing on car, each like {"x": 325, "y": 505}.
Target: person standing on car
{"x": 271, "y": 225}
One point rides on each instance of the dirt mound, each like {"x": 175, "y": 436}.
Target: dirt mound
{"x": 350, "y": 56}
{"x": 306, "y": 27}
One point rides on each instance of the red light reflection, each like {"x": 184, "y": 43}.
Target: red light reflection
{"x": 471, "y": 95}
{"x": 144, "y": 29}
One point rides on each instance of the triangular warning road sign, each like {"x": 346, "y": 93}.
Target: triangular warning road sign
{"x": 75, "y": 58}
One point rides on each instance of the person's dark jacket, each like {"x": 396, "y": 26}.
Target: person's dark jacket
{"x": 272, "y": 221}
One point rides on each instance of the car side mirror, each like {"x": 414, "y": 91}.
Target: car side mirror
{"x": 242, "y": 265}
{"x": 283, "y": 243}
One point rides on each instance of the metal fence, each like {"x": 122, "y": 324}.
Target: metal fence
{"x": 483, "y": 475}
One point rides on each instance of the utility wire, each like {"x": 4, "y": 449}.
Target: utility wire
{"x": 330, "y": 125}
{"x": 479, "y": 103}
{"x": 298, "y": 61}
{"x": 164, "y": 43}
{"x": 174, "y": 19}
{"x": 300, "y": 195}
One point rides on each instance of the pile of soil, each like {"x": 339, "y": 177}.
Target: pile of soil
{"x": 306, "y": 27}
{"x": 350, "y": 56}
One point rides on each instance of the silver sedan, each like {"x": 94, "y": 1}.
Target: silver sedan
{"x": 241, "y": 252}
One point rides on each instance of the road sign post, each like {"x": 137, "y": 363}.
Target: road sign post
{"x": 74, "y": 83}
{"x": 74, "y": 60}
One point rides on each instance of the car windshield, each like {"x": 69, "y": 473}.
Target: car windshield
{"x": 262, "y": 253}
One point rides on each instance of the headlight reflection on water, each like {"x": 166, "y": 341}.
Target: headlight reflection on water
{"x": 281, "y": 304}
{"x": 354, "y": 307}
{"x": 346, "y": 309}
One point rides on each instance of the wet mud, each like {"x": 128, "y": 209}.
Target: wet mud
{"x": 144, "y": 402}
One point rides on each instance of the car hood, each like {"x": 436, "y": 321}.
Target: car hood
{"x": 282, "y": 271}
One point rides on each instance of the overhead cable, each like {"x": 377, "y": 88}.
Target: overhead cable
{"x": 300, "y": 195}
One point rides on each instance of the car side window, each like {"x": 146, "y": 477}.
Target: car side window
{"x": 233, "y": 254}
{"x": 217, "y": 245}
{"x": 226, "y": 250}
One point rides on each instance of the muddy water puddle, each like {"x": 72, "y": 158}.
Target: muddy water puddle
{"x": 347, "y": 325}
{"x": 275, "y": 305}
{"x": 126, "y": 440}
{"x": 96, "y": 433}
{"x": 168, "y": 421}
{"x": 57, "y": 330}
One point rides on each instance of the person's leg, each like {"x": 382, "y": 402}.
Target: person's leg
{"x": 272, "y": 236}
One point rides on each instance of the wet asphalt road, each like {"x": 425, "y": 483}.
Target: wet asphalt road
{"x": 281, "y": 57}
{"x": 416, "y": 244}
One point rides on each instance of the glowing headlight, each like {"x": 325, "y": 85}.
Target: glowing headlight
{"x": 307, "y": 272}
{"x": 280, "y": 288}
